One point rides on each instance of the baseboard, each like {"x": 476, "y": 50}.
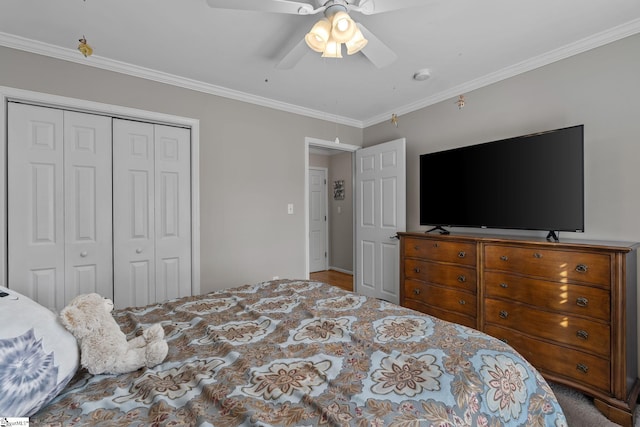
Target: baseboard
{"x": 341, "y": 270}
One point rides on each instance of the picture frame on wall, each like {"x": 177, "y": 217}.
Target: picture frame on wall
{"x": 338, "y": 189}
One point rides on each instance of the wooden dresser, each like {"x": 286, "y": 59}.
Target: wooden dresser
{"x": 569, "y": 307}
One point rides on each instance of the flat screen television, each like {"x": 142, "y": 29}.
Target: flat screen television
{"x": 532, "y": 182}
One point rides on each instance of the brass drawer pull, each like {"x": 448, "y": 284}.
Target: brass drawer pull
{"x": 537, "y": 255}
{"x": 582, "y": 301}
{"x": 462, "y": 254}
{"x": 504, "y": 285}
{"x": 461, "y": 278}
{"x": 417, "y": 270}
{"x": 462, "y": 302}
{"x": 436, "y": 245}
{"x": 581, "y": 268}
{"x": 582, "y": 368}
{"x": 416, "y": 291}
{"x": 582, "y": 334}
{"x": 504, "y": 258}
{"x": 503, "y": 314}
{"x": 417, "y": 248}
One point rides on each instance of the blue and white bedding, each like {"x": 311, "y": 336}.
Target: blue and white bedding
{"x": 301, "y": 353}
{"x": 38, "y": 356}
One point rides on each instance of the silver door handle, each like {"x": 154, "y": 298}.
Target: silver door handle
{"x": 395, "y": 236}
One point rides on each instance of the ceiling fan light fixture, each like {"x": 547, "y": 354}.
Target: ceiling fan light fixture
{"x": 333, "y": 49}
{"x": 343, "y": 27}
{"x": 319, "y": 35}
{"x": 356, "y": 43}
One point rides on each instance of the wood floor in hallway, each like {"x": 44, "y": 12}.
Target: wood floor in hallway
{"x": 335, "y": 278}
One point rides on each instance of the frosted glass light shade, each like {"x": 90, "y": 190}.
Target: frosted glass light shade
{"x": 356, "y": 43}
{"x": 333, "y": 49}
{"x": 342, "y": 27}
{"x": 319, "y": 35}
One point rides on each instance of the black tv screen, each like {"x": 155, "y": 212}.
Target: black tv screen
{"x": 533, "y": 182}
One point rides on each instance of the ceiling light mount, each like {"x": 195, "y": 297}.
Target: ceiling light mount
{"x": 422, "y": 75}
{"x": 334, "y": 7}
{"x": 84, "y": 47}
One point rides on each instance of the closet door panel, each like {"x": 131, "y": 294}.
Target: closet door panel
{"x": 173, "y": 212}
{"x": 88, "y": 219}
{"x": 35, "y": 203}
{"x": 133, "y": 210}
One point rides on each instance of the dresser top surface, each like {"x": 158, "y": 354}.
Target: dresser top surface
{"x": 507, "y": 239}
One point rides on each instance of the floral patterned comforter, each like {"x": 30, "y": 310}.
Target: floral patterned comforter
{"x": 301, "y": 353}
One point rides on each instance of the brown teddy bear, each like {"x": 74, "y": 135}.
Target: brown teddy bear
{"x": 103, "y": 346}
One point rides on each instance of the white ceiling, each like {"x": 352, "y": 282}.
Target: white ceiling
{"x": 466, "y": 44}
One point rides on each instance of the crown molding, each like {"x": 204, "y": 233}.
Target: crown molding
{"x": 96, "y": 61}
{"x": 588, "y": 43}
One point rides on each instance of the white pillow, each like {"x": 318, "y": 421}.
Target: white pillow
{"x": 38, "y": 356}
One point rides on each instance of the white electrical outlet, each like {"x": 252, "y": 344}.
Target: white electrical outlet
{"x": 290, "y": 208}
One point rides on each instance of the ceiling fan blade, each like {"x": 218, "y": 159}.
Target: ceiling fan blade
{"x": 371, "y": 7}
{"x": 293, "y": 56}
{"x": 377, "y": 52}
{"x": 274, "y": 6}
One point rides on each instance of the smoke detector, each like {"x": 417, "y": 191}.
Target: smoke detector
{"x": 422, "y": 75}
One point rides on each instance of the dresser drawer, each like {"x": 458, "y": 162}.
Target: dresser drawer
{"x": 577, "y": 332}
{"x": 549, "y": 263}
{"x": 563, "y": 297}
{"x": 456, "y": 276}
{"x": 449, "y": 316}
{"x": 444, "y": 298}
{"x": 548, "y": 358}
{"x": 437, "y": 250}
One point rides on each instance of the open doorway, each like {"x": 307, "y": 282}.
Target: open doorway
{"x": 338, "y": 160}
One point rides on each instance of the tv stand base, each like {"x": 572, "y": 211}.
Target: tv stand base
{"x": 438, "y": 228}
{"x": 552, "y": 237}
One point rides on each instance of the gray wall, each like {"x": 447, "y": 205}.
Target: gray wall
{"x": 251, "y": 163}
{"x": 599, "y": 88}
{"x": 319, "y": 161}
{"x": 341, "y": 223}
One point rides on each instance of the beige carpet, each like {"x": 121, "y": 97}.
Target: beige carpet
{"x": 579, "y": 409}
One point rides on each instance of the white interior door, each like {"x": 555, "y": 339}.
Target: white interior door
{"x": 35, "y": 203}
{"x": 380, "y": 214}
{"x": 152, "y": 213}
{"x": 87, "y": 188}
{"x": 318, "y": 230}
{"x": 172, "y": 212}
{"x": 59, "y": 202}
{"x": 133, "y": 213}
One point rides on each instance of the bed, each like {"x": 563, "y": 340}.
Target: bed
{"x": 304, "y": 353}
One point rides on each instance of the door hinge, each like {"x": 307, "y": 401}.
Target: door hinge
{"x": 325, "y": 254}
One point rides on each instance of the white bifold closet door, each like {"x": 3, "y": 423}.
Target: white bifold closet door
{"x": 59, "y": 204}
{"x": 152, "y": 212}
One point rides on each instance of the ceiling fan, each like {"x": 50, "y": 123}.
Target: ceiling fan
{"x": 331, "y": 31}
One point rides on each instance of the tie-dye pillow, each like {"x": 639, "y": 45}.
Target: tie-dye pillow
{"x": 38, "y": 356}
